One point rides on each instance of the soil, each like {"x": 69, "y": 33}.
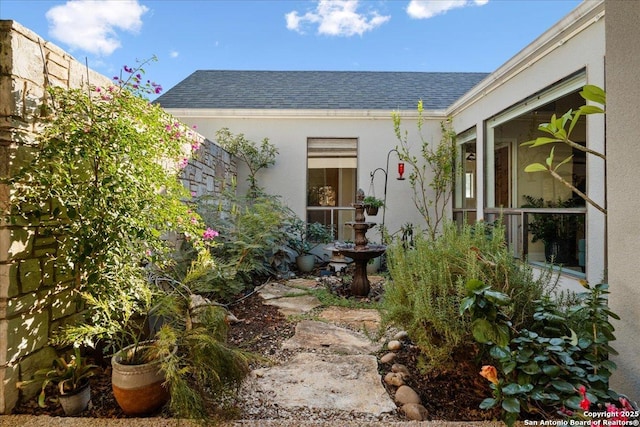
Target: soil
{"x": 453, "y": 395}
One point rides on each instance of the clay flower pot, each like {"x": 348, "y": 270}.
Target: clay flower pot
{"x": 138, "y": 389}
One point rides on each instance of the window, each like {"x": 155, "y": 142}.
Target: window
{"x": 331, "y": 183}
{"x": 556, "y": 236}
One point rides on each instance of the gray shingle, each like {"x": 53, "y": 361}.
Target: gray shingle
{"x": 368, "y": 90}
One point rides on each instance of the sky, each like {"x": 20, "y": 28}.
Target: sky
{"x": 335, "y": 35}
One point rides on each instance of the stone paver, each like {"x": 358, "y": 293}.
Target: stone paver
{"x": 325, "y": 381}
{"x": 278, "y": 290}
{"x": 295, "y": 305}
{"x": 314, "y": 335}
{"x": 359, "y": 319}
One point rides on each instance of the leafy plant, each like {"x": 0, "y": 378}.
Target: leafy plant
{"x": 542, "y": 366}
{"x": 254, "y": 156}
{"x": 103, "y": 181}
{"x": 552, "y": 227}
{"x": 428, "y": 282}
{"x": 254, "y": 237}
{"x": 68, "y": 375}
{"x": 559, "y": 129}
{"x": 372, "y": 201}
{"x": 204, "y": 369}
{"x": 306, "y": 236}
{"x": 432, "y": 173}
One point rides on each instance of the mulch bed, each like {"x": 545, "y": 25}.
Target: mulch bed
{"x": 453, "y": 395}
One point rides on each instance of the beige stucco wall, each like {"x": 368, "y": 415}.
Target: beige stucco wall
{"x": 575, "y": 43}
{"x": 289, "y": 131}
{"x": 623, "y": 176}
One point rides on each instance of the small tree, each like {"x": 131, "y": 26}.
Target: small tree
{"x": 560, "y": 130}
{"x": 254, "y": 156}
{"x": 432, "y": 173}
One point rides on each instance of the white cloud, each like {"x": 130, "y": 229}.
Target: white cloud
{"x": 424, "y": 9}
{"x": 92, "y": 25}
{"x": 336, "y": 18}
{"x": 174, "y": 54}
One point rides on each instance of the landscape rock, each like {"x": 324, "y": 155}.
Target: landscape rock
{"x": 402, "y": 335}
{"x": 278, "y": 290}
{"x": 394, "y": 379}
{"x": 406, "y": 394}
{"x": 400, "y": 369}
{"x": 388, "y": 358}
{"x": 415, "y": 411}
{"x": 394, "y": 345}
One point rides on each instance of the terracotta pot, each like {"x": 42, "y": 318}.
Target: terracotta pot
{"x": 138, "y": 389}
{"x": 76, "y": 401}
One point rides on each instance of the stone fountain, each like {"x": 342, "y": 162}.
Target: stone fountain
{"x": 361, "y": 251}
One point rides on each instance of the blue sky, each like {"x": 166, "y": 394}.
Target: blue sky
{"x": 352, "y": 35}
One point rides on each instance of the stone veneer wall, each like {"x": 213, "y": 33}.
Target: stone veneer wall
{"x": 36, "y": 293}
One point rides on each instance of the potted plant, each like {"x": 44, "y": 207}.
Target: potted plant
{"x": 556, "y": 231}
{"x": 71, "y": 378}
{"x": 372, "y": 204}
{"x": 305, "y": 237}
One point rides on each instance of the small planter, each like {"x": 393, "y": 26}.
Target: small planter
{"x": 306, "y": 263}
{"x": 373, "y": 266}
{"x": 77, "y": 401}
{"x": 138, "y": 389}
{"x": 371, "y": 210}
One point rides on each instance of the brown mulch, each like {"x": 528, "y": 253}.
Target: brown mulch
{"x": 453, "y": 395}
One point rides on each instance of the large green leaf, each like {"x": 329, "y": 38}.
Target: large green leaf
{"x": 488, "y": 403}
{"x": 511, "y": 404}
{"x": 535, "y": 167}
{"x": 594, "y": 93}
{"x": 482, "y": 330}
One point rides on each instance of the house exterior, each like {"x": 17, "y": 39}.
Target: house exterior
{"x": 334, "y": 130}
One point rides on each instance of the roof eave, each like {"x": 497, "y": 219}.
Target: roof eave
{"x": 583, "y": 16}
{"x": 347, "y": 114}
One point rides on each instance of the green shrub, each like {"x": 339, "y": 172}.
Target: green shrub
{"x": 254, "y": 235}
{"x": 428, "y": 282}
{"x": 542, "y": 367}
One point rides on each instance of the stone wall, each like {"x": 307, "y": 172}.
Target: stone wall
{"x": 36, "y": 292}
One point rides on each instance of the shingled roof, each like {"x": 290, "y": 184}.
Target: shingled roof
{"x": 362, "y": 90}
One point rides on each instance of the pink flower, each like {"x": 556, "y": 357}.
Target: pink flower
{"x": 98, "y": 89}
{"x": 158, "y": 89}
{"x": 194, "y": 220}
{"x": 183, "y": 163}
{"x": 210, "y": 234}
{"x": 128, "y": 69}
{"x": 195, "y": 146}
{"x": 194, "y": 194}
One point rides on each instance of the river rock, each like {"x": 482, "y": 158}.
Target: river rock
{"x": 388, "y": 358}
{"x": 394, "y": 345}
{"x": 406, "y": 394}
{"x": 402, "y": 335}
{"x": 400, "y": 369}
{"x": 415, "y": 411}
{"x": 394, "y": 379}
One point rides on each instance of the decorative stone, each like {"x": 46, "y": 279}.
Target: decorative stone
{"x": 394, "y": 345}
{"x": 400, "y": 369}
{"x": 394, "y": 379}
{"x": 388, "y": 358}
{"x": 406, "y": 394}
{"x": 402, "y": 335}
{"x": 415, "y": 411}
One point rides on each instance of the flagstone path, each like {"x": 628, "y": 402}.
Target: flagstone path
{"x": 332, "y": 364}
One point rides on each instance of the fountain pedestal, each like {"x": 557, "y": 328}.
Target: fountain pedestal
{"x": 362, "y": 251}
